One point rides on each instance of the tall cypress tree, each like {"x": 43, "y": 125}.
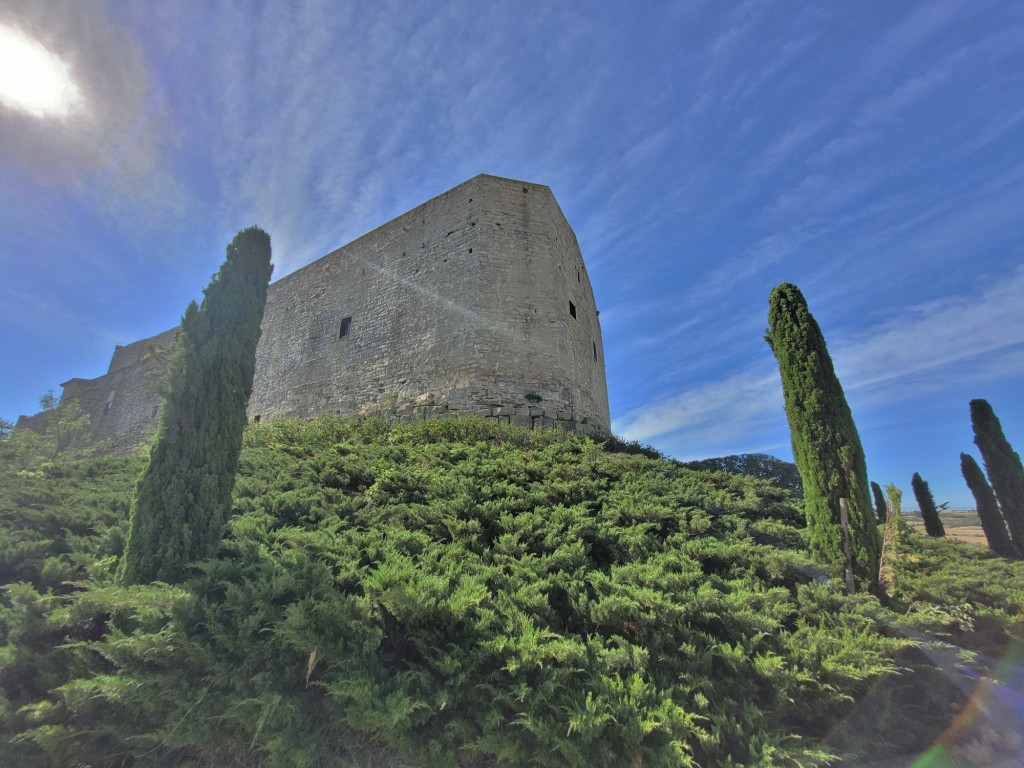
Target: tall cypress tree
{"x": 826, "y": 446}
{"x": 1003, "y": 466}
{"x": 183, "y": 497}
{"x": 992, "y": 522}
{"x": 880, "y": 509}
{"x": 926, "y": 503}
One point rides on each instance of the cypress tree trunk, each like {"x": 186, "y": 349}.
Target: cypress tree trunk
{"x": 992, "y": 522}
{"x": 183, "y": 498}
{"x": 826, "y": 446}
{"x": 880, "y": 510}
{"x": 1003, "y": 466}
{"x": 926, "y": 503}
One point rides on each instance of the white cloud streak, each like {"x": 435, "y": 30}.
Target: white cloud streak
{"x": 951, "y": 338}
{"x": 718, "y": 412}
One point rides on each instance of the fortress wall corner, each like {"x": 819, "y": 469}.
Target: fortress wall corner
{"x": 463, "y": 303}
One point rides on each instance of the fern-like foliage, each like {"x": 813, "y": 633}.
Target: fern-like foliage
{"x": 451, "y": 593}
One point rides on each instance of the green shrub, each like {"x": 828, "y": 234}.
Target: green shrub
{"x": 446, "y": 593}
{"x": 826, "y": 446}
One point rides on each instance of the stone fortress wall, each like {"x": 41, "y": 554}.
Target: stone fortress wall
{"x": 476, "y": 301}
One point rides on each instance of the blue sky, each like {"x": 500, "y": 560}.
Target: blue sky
{"x": 870, "y": 152}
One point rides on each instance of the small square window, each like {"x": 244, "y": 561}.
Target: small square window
{"x": 346, "y": 327}
{"x": 572, "y": 309}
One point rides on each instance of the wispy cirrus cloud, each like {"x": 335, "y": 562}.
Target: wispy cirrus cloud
{"x": 906, "y": 38}
{"x": 320, "y": 160}
{"x": 956, "y": 338}
{"x": 727, "y": 411}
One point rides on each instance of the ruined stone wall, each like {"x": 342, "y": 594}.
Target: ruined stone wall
{"x": 123, "y": 403}
{"x": 476, "y": 301}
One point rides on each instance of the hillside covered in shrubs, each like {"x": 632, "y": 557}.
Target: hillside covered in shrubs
{"x": 461, "y": 593}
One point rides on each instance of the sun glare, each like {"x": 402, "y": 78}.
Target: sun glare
{"x": 33, "y": 79}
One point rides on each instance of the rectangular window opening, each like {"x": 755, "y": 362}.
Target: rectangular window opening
{"x": 346, "y": 326}
{"x": 572, "y": 309}
{"x": 595, "y": 349}
{"x": 256, "y": 418}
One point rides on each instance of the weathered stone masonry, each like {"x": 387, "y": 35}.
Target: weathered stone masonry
{"x": 476, "y": 301}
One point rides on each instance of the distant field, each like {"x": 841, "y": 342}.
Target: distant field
{"x": 960, "y": 524}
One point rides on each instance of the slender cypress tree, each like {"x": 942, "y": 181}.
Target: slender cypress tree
{"x": 892, "y": 544}
{"x": 826, "y": 446}
{"x": 880, "y": 510}
{"x": 183, "y": 498}
{"x": 1003, "y": 466}
{"x": 992, "y": 522}
{"x": 926, "y": 503}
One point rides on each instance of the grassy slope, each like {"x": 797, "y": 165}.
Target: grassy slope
{"x": 462, "y": 593}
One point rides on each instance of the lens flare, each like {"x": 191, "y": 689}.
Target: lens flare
{"x": 33, "y": 79}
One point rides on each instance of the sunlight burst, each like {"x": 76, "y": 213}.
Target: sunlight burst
{"x": 33, "y": 79}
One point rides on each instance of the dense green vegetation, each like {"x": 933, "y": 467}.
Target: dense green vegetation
{"x": 926, "y": 503}
{"x": 63, "y": 434}
{"x": 992, "y": 522}
{"x": 183, "y": 498}
{"x": 1004, "y": 468}
{"x": 826, "y": 446}
{"x": 783, "y": 474}
{"x": 458, "y": 592}
{"x": 880, "y": 509}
